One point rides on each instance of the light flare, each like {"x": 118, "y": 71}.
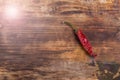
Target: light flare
{"x": 11, "y": 12}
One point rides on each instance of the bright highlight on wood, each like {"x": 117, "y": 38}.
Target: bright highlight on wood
{"x": 11, "y": 12}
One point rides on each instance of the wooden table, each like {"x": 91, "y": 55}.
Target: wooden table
{"x": 37, "y": 45}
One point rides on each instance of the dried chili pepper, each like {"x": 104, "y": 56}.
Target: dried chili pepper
{"x": 83, "y": 40}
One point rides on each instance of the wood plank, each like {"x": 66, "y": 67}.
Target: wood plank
{"x": 38, "y": 46}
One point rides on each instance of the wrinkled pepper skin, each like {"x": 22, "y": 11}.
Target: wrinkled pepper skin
{"x": 83, "y": 40}
{"x": 85, "y": 43}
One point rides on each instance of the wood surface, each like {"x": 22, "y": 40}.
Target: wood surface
{"x": 39, "y": 46}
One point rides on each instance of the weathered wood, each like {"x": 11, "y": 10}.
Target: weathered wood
{"x": 38, "y": 46}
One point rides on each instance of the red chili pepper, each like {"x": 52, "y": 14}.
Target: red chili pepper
{"x": 83, "y": 40}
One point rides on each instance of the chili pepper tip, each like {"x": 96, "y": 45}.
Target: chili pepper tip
{"x": 93, "y": 62}
{"x": 94, "y": 55}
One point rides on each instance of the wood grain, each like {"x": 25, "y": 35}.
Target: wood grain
{"x": 38, "y": 46}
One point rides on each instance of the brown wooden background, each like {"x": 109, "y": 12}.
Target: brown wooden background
{"x": 38, "y": 46}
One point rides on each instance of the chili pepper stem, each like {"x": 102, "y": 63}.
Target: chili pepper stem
{"x": 70, "y": 25}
